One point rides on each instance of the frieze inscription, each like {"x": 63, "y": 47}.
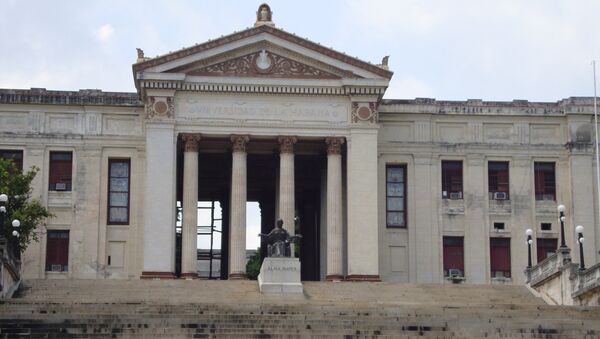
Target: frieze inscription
{"x": 200, "y": 108}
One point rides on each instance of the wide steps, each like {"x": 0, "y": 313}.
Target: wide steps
{"x": 234, "y": 309}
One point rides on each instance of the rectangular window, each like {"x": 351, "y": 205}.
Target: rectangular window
{"x": 57, "y": 251}
{"x": 61, "y": 169}
{"x": 498, "y": 180}
{"x": 546, "y": 226}
{"x": 500, "y": 257}
{"x": 118, "y": 191}
{"x": 452, "y": 180}
{"x": 454, "y": 263}
{"x": 498, "y": 225}
{"x": 15, "y": 155}
{"x": 545, "y": 248}
{"x": 545, "y": 181}
{"x": 396, "y": 196}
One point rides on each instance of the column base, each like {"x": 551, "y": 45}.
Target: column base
{"x": 238, "y": 276}
{"x": 363, "y": 277}
{"x": 334, "y": 277}
{"x": 157, "y": 275}
{"x": 190, "y": 275}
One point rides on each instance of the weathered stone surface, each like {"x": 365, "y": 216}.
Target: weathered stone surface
{"x": 280, "y": 275}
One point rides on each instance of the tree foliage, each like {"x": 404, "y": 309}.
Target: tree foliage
{"x": 30, "y": 212}
{"x": 253, "y": 265}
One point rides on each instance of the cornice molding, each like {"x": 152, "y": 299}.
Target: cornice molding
{"x": 138, "y": 67}
{"x": 265, "y": 89}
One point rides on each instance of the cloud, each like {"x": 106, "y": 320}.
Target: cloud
{"x": 105, "y": 32}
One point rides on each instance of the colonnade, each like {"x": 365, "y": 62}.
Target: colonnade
{"x": 286, "y": 207}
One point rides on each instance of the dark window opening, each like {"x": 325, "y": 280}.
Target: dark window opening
{"x": 454, "y": 263}
{"x": 118, "y": 191}
{"x": 545, "y": 248}
{"x": 545, "y": 181}
{"x": 61, "y": 168}
{"x": 15, "y": 155}
{"x": 500, "y": 257}
{"x": 452, "y": 180}
{"x": 498, "y": 180}
{"x": 498, "y": 225}
{"x": 396, "y": 196}
{"x": 546, "y": 226}
{"x": 57, "y": 251}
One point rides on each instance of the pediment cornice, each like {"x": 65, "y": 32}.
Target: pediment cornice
{"x": 251, "y": 32}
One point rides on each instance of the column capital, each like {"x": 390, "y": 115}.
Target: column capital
{"x": 190, "y": 141}
{"x": 286, "y": 144}
{"x": 334, "y": 145}
{"x": 239, "y": 142}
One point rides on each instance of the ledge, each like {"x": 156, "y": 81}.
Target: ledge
{"x": 81, "y": 97}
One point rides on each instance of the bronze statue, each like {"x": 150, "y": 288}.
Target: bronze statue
{"x": 279, "y": 240}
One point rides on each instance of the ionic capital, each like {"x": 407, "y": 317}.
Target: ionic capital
{"x": 286, "y": 144}
{"x": 334, "y": 145}
{"x": 190, "y": 141}
{"x": 239, "y": 142}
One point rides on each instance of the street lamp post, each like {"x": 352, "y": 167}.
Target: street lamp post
{"x": 529, "y": 233}
{"x": 561, "y": 211}
{"x": 4, "y": 211}
{"x": 579, "y": 230}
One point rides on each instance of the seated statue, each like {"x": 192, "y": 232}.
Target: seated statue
{"x": 279, "y": 240}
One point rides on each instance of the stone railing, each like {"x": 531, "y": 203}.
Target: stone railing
{"x": 586, "y": 281}
{"x": 10, "y": 268}
{"x": 548, "y": 267}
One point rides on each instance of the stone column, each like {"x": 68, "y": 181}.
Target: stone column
{"x": 334, "y": 209}
{"x": 237, "y": 231}
{"x": 286, "y": 183}
{"x": 189, "y": 231}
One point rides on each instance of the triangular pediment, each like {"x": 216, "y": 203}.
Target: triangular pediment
{"x": 261, "y": 52}
{"x": 264, "y": 63}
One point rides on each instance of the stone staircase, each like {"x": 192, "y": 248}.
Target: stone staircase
{"x": 202, "y": 309}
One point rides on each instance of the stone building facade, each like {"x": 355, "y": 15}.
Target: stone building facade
{"x": 420, "y": 190}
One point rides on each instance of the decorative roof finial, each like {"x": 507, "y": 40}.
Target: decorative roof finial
{"x": 140, "y": 55}
{"x": 384, "y": 62}
{"x": 264, "y": 16}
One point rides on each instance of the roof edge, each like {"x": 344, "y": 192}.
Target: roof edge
{"x": 137, "y": 67}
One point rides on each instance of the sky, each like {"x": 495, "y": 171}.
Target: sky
{"x": 539, "y": 50}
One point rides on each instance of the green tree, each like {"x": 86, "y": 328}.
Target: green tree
{"x": 30, "y": 212}
{"x": 253, "y": 265}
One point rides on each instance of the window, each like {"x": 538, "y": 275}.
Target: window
{"x": 454, "y": 263}
{"x": 498, "y": 180}
{"x": 545, "y": 248}
{"x": 452, "y": 180}
{"x": 546, "y": 226}
{"x": 545, "y": 181}
{"x": 15, "y": 155}
{"x": 118, "y": 191}
{"x": 498, "y": 225}
{"x": 500, "y": 257}
{"x": 61, "y": 167}
{"x": 57, "y": 251}
{"x": 396, "y": 195}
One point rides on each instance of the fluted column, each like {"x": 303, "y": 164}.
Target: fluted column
{"x": 334, "y": 209}
{"x": 189, "y": 232}
{"x": 237, "y": 232}
{"x": 286, "y": 183}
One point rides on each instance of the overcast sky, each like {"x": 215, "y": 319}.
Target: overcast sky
{"x": 455, "y": 50}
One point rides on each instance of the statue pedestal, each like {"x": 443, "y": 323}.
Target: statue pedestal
{"x": 280, "y": 275}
